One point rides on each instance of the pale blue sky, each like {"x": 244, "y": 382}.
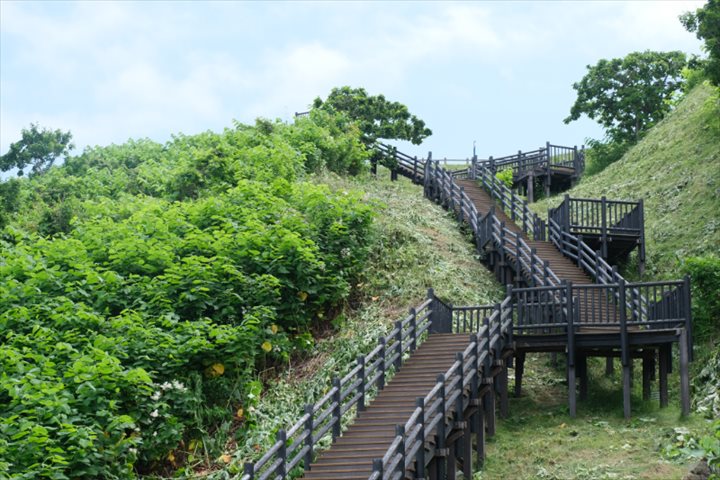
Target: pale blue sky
{"x": 498, "y": 73}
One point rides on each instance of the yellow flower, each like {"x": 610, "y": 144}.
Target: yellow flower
{"x": 215, "y": 370}
{"x": 274, "y": 328}
{"x": 267, "y": 346}
{"x": 302, "y": 296}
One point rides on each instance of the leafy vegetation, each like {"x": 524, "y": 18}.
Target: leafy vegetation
{"x": 705, "y": 22}
{"x": 37, "y": 148}
{"x": 377, "y": 117}
{"x": 145, "y": 284}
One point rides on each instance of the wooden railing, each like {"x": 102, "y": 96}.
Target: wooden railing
{"x": 294, "y": 447}
{"x": 603, "y": 218}
{"x": 441, "y": 186}
{"x": 514, "y": 206}
{"x": 441, "y": 410}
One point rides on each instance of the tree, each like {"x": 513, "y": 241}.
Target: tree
{"x": 376, "y": 117}
{"x": 705, "y": 22}
{"x": 37, "y": 148}
{"x": 629, "y": 95}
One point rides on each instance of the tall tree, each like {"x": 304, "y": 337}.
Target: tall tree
{"x": 38, "y": 148}
{"x": 629, "y": 95}
{"x": 376, "y": 116}
{"x": 705, "y": 22}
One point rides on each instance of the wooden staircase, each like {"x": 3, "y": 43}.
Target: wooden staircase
{"x": 372, "y": 432}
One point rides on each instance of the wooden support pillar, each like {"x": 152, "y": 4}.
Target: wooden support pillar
{"x": 684, "y": 373}
{"x": 433, "y": 469}
{"x": 648, "y": 366}
{"x": 452, "y": 462}
{"x": 663, "y": 374}
{"x": 489, "y": 405}
{"x": 503, "y": 387}
{"x": 583, "y": 374}
{"x": 627, "y": 387}
{"x": 572, "y": 398}
{"x": 609, "y": 365}
{"x": 466, "y": 441}
{"x": 480, "y": 433}
{"x": 531, "y": 188}
{"x": 519, "y": 371}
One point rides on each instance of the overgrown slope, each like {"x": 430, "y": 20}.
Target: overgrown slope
{"x": 676, "y": 170}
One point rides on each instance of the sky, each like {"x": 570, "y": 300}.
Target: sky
{"x": 497, "y": 75}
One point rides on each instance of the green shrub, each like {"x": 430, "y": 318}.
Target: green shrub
{"x": 600, "y": 154}
{"x": 705, "y": 277}
{"x": 505, "y": 176}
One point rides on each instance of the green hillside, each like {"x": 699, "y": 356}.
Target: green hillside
{"x": 676, "y": 170}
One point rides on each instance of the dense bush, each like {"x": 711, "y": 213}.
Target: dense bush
{"x": 705, "y": 276}
{"x": 601, "y": 154}
{"x": 142, "y": 285}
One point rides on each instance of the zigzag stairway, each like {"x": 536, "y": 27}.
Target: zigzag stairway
{"x": 422, "y": 403}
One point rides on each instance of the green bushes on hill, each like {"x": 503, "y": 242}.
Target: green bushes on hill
{"x": 144, "y": 284}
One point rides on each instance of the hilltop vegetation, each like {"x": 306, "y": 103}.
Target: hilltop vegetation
{"x": 143, "y": 285}
{"x": 676, "y": 170}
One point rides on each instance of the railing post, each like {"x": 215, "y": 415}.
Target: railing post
{"x": 413, "y": 329}
{"x": 546, "y": 273}
{"x": 337, "y": 408}
{"x": 571, "y": 349}
{"x": 533, "y": 256}
{"x": 579, "y": 250}
{"x": 509, "y": 293}
{"x": 462, "y": 201}
{"x": 624, "y": 348}
{"x": 400, "y": 432}
{"x": 249, "y": 470}
{"x": 688, "y": 315}
{"x": 492, "y": 165}
{"x": 378, "y": 467}
{"x": 641, "y": 252}
{"x": 398, "y": 342}
{"x": 309, "y": 411}
{"x": 441, "y": 430}
{"x": 415, "y": 165}
{"x": 459, "y": 404}
{"x": 512, "y": 207}
{"x": 361, "y": 374}
{"x": 473, "y": 172}
{"x": 566, "y": 220}
{"x": 603, "y": 228}
{"x": 420, "y": 455}
{"x": 282, "y": 452}
{"x": 382, "y": 366}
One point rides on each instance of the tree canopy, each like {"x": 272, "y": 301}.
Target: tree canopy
{"x": 376, "y": 116}
{"x": 629, "y": 95}
{"x": 705, "y": 22}
{"x": 38, "y": 148}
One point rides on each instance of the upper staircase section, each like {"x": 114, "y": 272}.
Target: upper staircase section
{"x": 556, "y": 166}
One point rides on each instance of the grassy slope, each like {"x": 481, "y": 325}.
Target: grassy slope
{"x": 418, "y": 246}
{"x": 676, "y": 170}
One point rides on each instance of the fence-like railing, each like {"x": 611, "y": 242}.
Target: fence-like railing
{"x": 438, "y": 412}
{"x": 295, "y": 446}
{"x": 602, "y": 218}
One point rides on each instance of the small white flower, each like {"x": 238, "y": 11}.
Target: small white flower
{"x": 166, "y": 386}
{"x": 154, "y": 413}
{"x": 156, "y": 396}
{"x": 178, "y": 385}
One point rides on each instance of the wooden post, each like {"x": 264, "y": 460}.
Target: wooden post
{"x": 398, "y": 342}
{"x": 647, "y": 368}
{"x": 249, "y": 470}
{"x": 337, "y": 412}
{"x": 641, "y": 247}
{"x": 609, "y": 365}
{"x": 603, "y": 228}
{"x": 415, "y": 169}
{"x": 361, "y": 387}
{"x": 281, "y": 437}
{"x": 420, "y": 455}
{"x": 548, "y": 170}
{"x": 400, "y": 432}
{"x": 687, "y": 302}
{"x": 413, "y": 329}
{"x": 382, "y": 367}
{"x": 489, "y": 401}
{"x": 624, "y": 350}
{"x": 519, "y": 371}
{"x": 663, "y": 374}
{"x": 684, "y": 373}
{"x": 309, "y": 439}
{"x": 531, "y": 187}
{"x": 572, "y": 400}
{"x": 441, "y": 433}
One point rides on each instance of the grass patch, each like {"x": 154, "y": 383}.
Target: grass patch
{"x": 540, "y": 440}
{"x": 676, "y": 170}
{"x": 417, "y": 246}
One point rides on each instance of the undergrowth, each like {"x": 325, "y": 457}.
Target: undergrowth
{"x": 417, "y": 245}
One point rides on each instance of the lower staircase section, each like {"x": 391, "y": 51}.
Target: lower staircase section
{"x": 372, "y": 433}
